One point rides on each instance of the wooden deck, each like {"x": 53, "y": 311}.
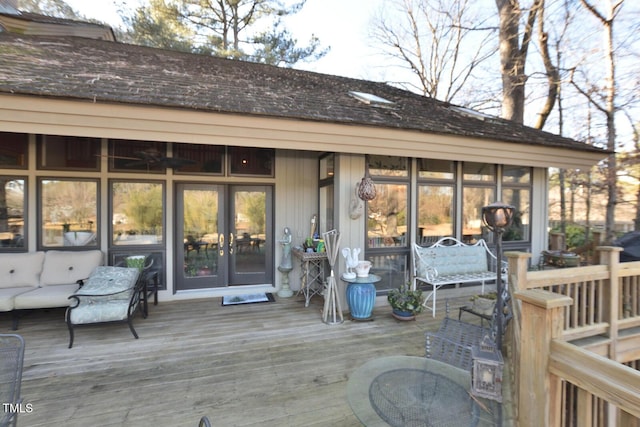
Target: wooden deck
{"x": 268, "y": 364}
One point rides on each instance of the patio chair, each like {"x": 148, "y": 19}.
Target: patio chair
{"x": 111, "y": 294}
{"x": 11, "y": 363}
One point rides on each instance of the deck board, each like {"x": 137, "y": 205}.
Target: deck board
{"x": 269, "y": 364}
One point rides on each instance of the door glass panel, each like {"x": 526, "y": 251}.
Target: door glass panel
{"x": 250, "y": 231}
{"x": 200, "y": 236}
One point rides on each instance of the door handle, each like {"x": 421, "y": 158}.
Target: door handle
{"x": 221, "y": 244}
{"x": 231, "y": 242}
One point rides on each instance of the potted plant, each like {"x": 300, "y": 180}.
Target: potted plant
{"x": 405, "y": 302}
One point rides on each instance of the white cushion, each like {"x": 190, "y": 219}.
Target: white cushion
{"x": 45, "y": 297}
{"x": 23, "y": 269}
{"x": 7, "y": 296}
{"x": 67, "y": 267}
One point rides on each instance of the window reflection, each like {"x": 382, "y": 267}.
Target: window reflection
{"x": 69, "y": 212}
{"x": 478, "y": 171}
{"x": 474, "y": 198}
{"x": 435, "y": 213}
{"x": 137, "y": 213}
{"x": 391, "y": 166}
{"x": 12, "y": 221}
{"x": 520, "y": 199}
{"x": 387, "y": 216}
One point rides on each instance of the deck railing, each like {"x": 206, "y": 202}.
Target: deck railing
{"x": 573, "y": 331}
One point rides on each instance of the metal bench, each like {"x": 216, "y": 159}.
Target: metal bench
{"x": 449, "y": 261}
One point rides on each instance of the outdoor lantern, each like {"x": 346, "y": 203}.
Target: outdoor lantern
{"x": 486, "y": 372}
{"x": 497, "y": 217}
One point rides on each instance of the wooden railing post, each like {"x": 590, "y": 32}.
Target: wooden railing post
{"x": 539, "y": 392}
{"x": 610, "y": 256}
{"x": 518, "y": 266}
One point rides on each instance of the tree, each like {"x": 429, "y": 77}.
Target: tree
{"x": 157, "y": 25}
{"x": 607, "y": 105}
{"x": 513, "y": 55}
{"x": 226, "y": 28}
{"x": 437, "y": 42}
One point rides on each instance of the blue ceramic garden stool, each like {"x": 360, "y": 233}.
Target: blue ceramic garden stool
{"x": 361, "y": 296}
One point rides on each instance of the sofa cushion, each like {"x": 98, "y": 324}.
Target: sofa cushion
{"x": 67, "y": 267}
{"x": 7, "y": 296}
{"x": 23, "y": 269}
{"x": 45, "y": 297}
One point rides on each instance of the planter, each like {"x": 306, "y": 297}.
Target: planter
{"x": 403, "y": 315}
{"x": 362, "y": 269}
{"x": 361, "y": 298}
{"x": 483, "y": 305}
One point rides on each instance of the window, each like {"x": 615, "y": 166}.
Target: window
{"x": 392, "y": 166}
{"x": 68, "y": 152}
{"x": 387, "y": 220}
{"x": 12, "y": 209}
{"x": 436, "y": 200}
{"x": 137, "y": 213}
{"x": 137, "y": 156}
{"x": 478, "y": 190}
{"x": 68, "y": 213}
{"x": 516, "y": 191}
{"x": 251, "y": 161}
{"x": 326, "y": 220}
{"x": 197, "y": 158}
{"x": 479, "y": 172}
{"x": 13, "y": 150}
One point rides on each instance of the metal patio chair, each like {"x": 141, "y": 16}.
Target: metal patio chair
{"x": 11, "y": 363}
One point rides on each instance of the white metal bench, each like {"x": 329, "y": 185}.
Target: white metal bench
{"x": 449, "y": 261}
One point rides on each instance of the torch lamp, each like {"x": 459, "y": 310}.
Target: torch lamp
{"x": 497, "y": 217}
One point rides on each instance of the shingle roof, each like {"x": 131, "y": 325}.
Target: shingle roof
{"x": 102, "y": 71}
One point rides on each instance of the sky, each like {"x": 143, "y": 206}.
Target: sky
{"x": 341, "y": 25}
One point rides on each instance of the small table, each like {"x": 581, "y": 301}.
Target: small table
{"x": 361, "y": 296}
{"x": 150, "y": 284}
{"x": 406, "y": 390}
{"x": 313, "y": 271}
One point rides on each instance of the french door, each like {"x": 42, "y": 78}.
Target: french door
{"x": 224, "y": 234}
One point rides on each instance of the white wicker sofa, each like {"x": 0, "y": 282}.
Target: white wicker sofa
{"x": 35, "y": 280}
{"x": 449, "y": 261}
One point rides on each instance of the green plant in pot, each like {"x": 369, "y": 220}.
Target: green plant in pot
{"x": 405, "y": 302}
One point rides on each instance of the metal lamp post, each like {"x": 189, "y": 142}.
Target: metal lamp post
{"x": 497, "y": 217}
